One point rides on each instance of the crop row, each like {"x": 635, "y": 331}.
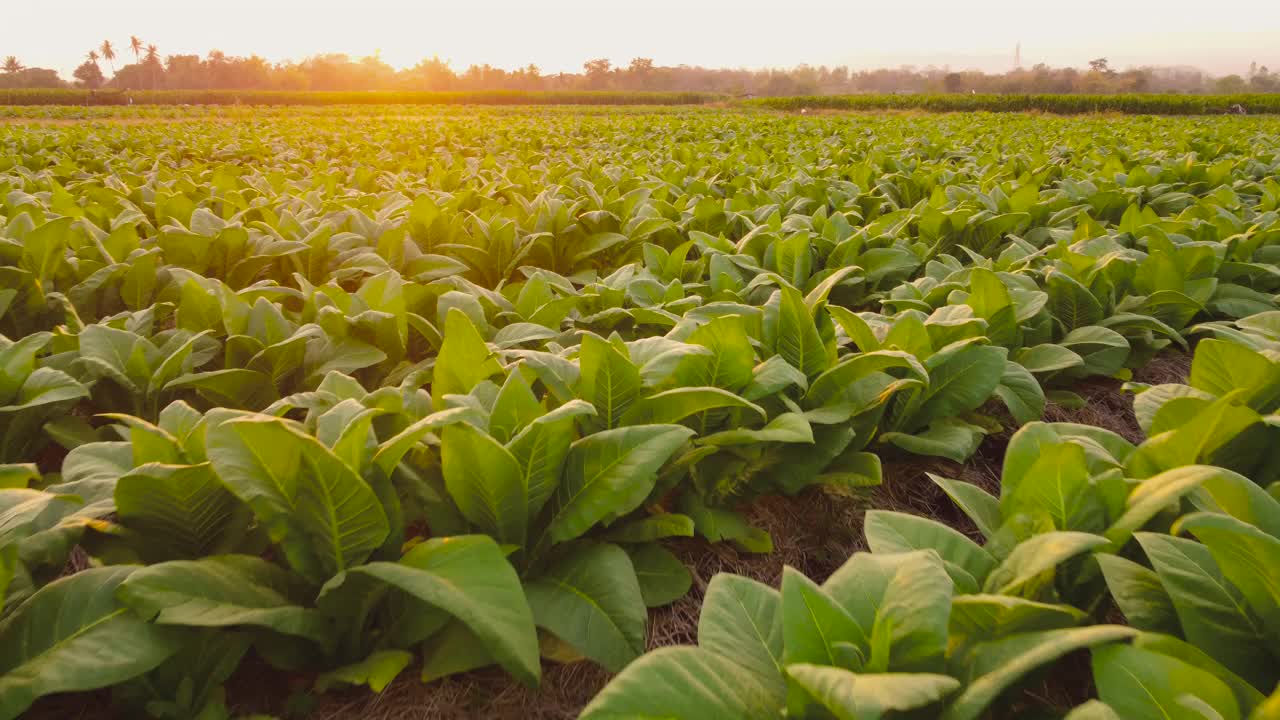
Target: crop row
{"x": 1133, "y": 104}
{"x": 439, "y": 387}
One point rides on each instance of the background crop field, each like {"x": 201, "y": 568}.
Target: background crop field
{"x": 417, "y": 411}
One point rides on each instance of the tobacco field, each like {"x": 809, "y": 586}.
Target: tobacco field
{"x": 373, "y": 406}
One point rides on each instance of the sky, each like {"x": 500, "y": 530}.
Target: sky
{"x": 559, "y": 35}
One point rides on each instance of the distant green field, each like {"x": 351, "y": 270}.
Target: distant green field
{"x": 347, "y": 395}
{"x": 1153, "y": 104}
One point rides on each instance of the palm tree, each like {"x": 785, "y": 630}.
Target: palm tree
{"x": 92, "y": 57}
{"x": 153, "y": 61}
{"x": 108, "y": 54}
{"x": 135, "y": 44}
{"x": 11, "y": 65}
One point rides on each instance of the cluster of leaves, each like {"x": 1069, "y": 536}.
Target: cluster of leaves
{"x": 336, "y": 396}
{"x": 934, "y": 624}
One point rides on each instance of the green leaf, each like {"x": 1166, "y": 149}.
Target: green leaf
{"x": 869, "y": 696}
{"x": 1247, "y": 557}
{"x": 1021, "y": 393}
{"x": 1047, "y": 358}
{"x": 685, "y": 683}
{"x": 979, "y": 505}
{"x": 790, "y": 331}
{"x": 1220, "y": 367}
{"x": 914, "y": 614}
{"x": 1154, "y": 495}
{"x": 1058, "y": 484}
{"x": 982, "y": 618}
{"x": 998, "y": 665}
{"x": 1145, "y": 685}
{"x": 959, "y": 382}
{"x": 742, "y": 621}
{"x": 376, "y": 671}
{"x": 468, "y": 577}
{"x": 675, "y": 405}
{"x": 663, "y": 578}
{"x": 1093, "y": 710}
{"x": 1246, "y": 695}
{"x": 731, "y": 360}
{"x": 18, "y": 476}
{"x": 181, "y": 511}
{"x": 890, "y": 532}
{"x": 590, "y": 599}
{"x": 1036, "y": 557}
{"x": 324, "y": 516}
{"x": 1139, "y": 594}
{"x": 948, "y": 437}
{"x": 1071, "y": 303}
{"x": 812, "y": 622}
{"x": 608, "y": 380}
{"x": 1213, "y": 613}
{"x": 223, "y": 591}
{"x": 464, "y": 359}
{"x": 653, "y": 527}
{"x": 486, "y": 482}
{"x": 72, "y": 635}
{"x": 608, "y": 474}
{"x": 541, "y": 448}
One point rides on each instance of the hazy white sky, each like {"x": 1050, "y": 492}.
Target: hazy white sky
{"x": 558, "y": 35}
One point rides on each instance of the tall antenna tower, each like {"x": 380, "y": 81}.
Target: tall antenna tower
{"x": 1017, "y": 56}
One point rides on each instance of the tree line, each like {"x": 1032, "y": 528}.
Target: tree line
{"x": 338, "y": 72}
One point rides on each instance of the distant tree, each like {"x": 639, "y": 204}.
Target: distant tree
{"x": 92, "y": 57}
{"x": 597, "y": 72}
{"x": 1099, "y": 65}
{"x": 1231, "y": 84}
{"x": 640, "y": 72}
{"x": 953, "y": 82}
{"x": 12, "y": 66}
{"x": 89, "y": 75}
{"x": 108, "y": 54}
{"x": 135, "y": 44}
{"x": 152, "y": 62}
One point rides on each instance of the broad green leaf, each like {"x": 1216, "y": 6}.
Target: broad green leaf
{"x": 685, "y": 683}
{"x": 608, "y": 380}
{"x": 742, "y": 621}
{"x": 1144, "y": 685}
{"x": 663, "y": 578}
{"x": 731, "y": 360}
{"x": 591, "y": 600}
{"x": 464, "y": 359}
{"x": 960, "y": 383}
{"x": 1031, "y": 560}
{"x": 675, "y": 405}
{"x": 181, "y": 511}
{"x": 947, "y": 437}
{"x": 850, "y": 696}
{"x": 72, "y": 635}
{"x": 812, "y": 622}
{"x": 376, "y": 671}
{"x": 324, "y": 516}
{"x": 486, "y": 482}
{"x": 890, "y": 532}
{"x": 979, "y": 505}
{"x": 468, "y": 577}
{"x": 998, "y": 665}
{"x": 790, "y": 331}
{"x": 1021, "y": 393}
{"x": 223, "y": 591}
{"x": 1247, "y": 557}
{"x": 1213, "y": 613}
{"x": 608, "y": 474}
{"x": 1139, "y": 594}
{"x": 1155, "y": 494}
